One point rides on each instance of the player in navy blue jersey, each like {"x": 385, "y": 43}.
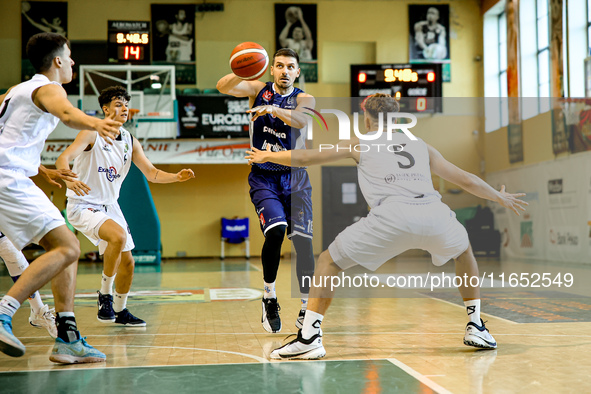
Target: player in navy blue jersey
{"x": 282, "y": 196}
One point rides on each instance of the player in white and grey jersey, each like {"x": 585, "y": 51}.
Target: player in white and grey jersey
{"x": 92, "y": 202}
{"x": 407, "y": 213}
{"x": 29, "y": 112}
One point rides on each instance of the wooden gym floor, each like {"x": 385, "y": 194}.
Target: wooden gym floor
{"x": 204, "y": 335}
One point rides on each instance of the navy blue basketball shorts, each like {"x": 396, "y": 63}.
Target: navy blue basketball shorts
{"x": 282, "y": 198}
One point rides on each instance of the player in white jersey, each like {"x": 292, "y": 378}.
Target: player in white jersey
{"x": 406, "y": 213}
{"x": 29, "y": 112}
{"x": 41, "y": 315}
{"x": 92, "y": 202}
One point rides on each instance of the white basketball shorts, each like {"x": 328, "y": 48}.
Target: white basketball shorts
{"x": 88, "y": 219}
{"x": 395, "y": 227}
{"x": 26, "y": 214}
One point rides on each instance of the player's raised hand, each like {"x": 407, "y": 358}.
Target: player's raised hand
{"x": 185, "y": 174}
{"x": 511, "y": 201}
{"x": 260, "y": 111}
{"x": 78, "y": 187}
{"x": 108, "y": 129}
{"x": 51, "y": 176}
{"x": 257, "y": 156}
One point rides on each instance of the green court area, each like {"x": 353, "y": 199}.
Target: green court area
{"x": 356, "y": 376}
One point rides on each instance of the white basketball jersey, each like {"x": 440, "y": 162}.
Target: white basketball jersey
{"x": 24, "y": 127}
{"x": 104, "y": 168}
{"x": 386, "y": 171}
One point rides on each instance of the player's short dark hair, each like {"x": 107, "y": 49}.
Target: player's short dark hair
{"x": 380, "y": 103}
{"x": 287, "y": 52}
{"x": 42, "y": 48}
{"x": 111, "y": 93}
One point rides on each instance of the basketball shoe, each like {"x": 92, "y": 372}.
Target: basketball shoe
{"x": 75, "y": 352}
{"x": 300, "y": 320}
{"x": 127, "y": 319}
{"x": 105, "y": 314}
{"x": 9, "y": 344}
{"x": 45, "y": 318}
{"x": 300, "y": 348}
{"x": 270, "y": 319}
{"x": 478, "y": 336}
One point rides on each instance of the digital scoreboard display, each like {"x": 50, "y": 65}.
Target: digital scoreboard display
{"x": 129, "y": 41}
{"x": 416, "y": 86}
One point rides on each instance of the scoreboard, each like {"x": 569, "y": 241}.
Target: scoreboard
{"x": 129, "y": 41}
{"x": 416, "y": 86}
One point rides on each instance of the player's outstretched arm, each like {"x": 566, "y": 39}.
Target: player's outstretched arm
{"x": 153, "y": 174}
{"x": 305, "y": 157}
{"x": 51, "y": 176}
{"x": 84, "y": 141}
{"x": 234, "y": 86}
{"x": 294, "y": 118}
{"x": 473, "y": 184}
{"x": 53, "y": 99}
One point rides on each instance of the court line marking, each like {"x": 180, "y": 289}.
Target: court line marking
{"x": 255, "y": 267}
{"x": 329, "y": 333}
{"x": 419, "y": 376}
{"x": 482, "y": 313}
{"x": 257, "y": 358}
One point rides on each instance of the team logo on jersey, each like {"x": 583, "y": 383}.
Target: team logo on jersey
{"x": 126, "y": 148}
{"x": 110, "y": 172}
{"x": 390, "y": 178}
{"x": 124, "y": 158}
{"x": 267, "y": 95}
{"x": 262, "y": 219}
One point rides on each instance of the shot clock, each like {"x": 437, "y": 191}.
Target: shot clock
{"x": 417, "y": 86}
{"x": 129, "y": 42}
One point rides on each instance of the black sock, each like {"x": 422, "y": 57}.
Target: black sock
{"x": 271, "y": 254}
{"x": 304, "y": 261}
{"x": 67, "y": 330}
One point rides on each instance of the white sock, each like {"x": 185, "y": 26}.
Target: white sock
{"x": 304, "y": 302}
{"x": 35, "y": 302}
{"x": 312, "y": 322}
{"x": 119, "y": 301}
{"x": 473, "y": 310}
{"x": 269, "y": 290}
{"x": 9, "y": 306}
{"x": 107, "y": 284}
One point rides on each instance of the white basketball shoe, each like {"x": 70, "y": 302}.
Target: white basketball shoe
{"x": 300, "y": 348}
{"x": 478, "y": 336}
{"x": 44, "y": 318}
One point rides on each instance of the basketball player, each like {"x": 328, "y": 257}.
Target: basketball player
{"x": 282, "y": 196}
{"x": 180, "y": 39}
{"x": 29, "y": 112}
{"x": 302, "y": 41}
{"x": 15, "y": 261}
{"x": 406, "y": 213}
{"x": 430, "y": 37}
{"x": 92, "y": 202}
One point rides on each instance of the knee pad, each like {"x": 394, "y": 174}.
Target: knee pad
{"x": 13, "y": 258}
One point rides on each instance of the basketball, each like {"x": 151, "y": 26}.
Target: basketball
{"x": 249, "y": 60}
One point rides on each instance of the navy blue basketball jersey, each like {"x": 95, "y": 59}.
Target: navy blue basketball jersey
{"x": 270, "y": 130}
